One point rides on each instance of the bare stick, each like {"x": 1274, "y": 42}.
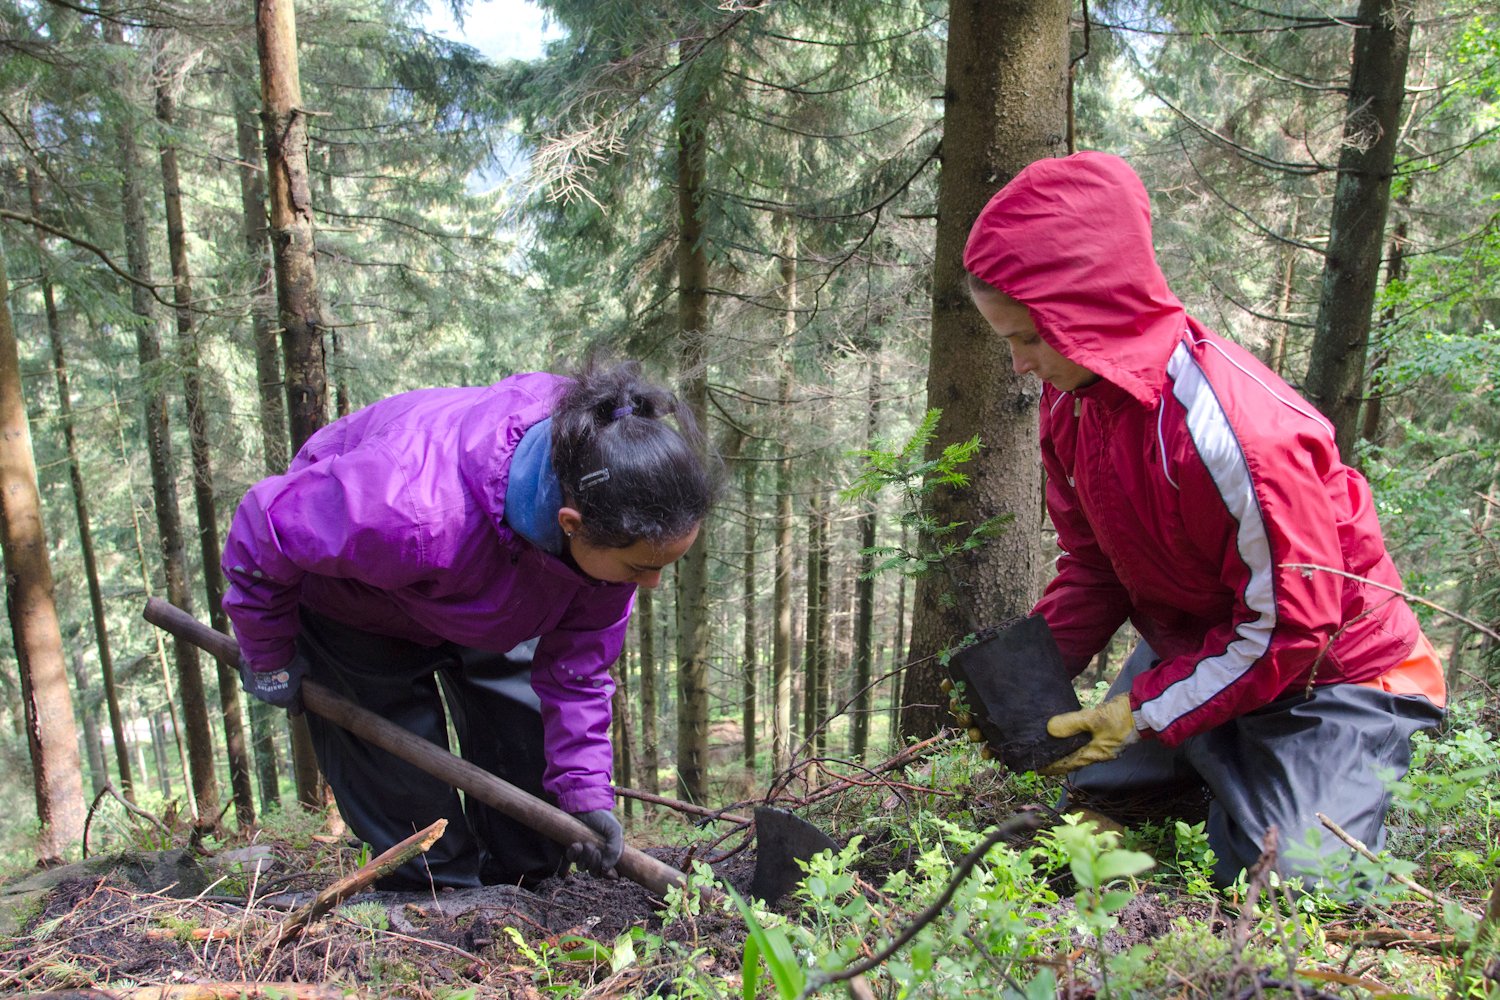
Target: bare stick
{"x": 1420, "y": 890}
{"x": 388, "y": 861}
{"x": 683, "y": 807}
{"x": 1398, "y": 591}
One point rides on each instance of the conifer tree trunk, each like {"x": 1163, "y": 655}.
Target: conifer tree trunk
{"x": 1005, "y": 105}
{"x": 265, "y": 719}
{"x": 692, "y": 572}
{"x": 820, "y": 624}
{"x": 167, "y": 81}
{"x": 80, "y": 501}
{"x": 93, "y": 744}
{"x": 204, "y": 786}
{"x": 748, "y": 668}
{"x": 1395, "y": 270}
{"x": 160, "y": 741}
{"x": 1356, "y": 229}
{"x": 284, "y": 128}
{"x": 781, "y": 598}
{"x": 284, "y": 125}
{"x": 812, "y": 647}
{"x": 620, "y": 736}
{"x": 864, "y": 593}
{"x": 645, "y": 629}
{"x": 29, "y": 603}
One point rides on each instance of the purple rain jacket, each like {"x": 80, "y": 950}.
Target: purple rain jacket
{"x": 391, "y": 520}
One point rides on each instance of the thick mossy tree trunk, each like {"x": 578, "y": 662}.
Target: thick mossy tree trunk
{"x": 1005, "y": 105}
{"x": 168, "y": 79}
{"x": 80, "y": 501}
{"x": 284, "y": 126}
{"x": 29, "y": 603}
{"x": 204, "y": 779}
{"x": 1361, "y": 201}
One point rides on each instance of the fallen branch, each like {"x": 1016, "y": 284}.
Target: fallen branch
{"x": 388, "y": 861}
{"x": 230, "y": 991}
{"x": 1408, "y": 595}
{"x": 130, "y": 807}
{"x": 1420, "y": 890}
{"x": 683, "y": 807}
{"x": 1387, "y": 937}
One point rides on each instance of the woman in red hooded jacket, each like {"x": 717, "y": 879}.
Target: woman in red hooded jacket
{"x": 1198, "y": 496}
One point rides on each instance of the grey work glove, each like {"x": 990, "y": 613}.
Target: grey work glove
{"x": 281, "y": 687}
{"x": 598, "y": 859}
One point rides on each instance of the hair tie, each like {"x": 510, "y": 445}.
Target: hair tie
{"x": 621, "y": 411}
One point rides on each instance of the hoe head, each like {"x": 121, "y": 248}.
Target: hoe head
{"x": 1014, "y": 681}
{"x": 781, "y": 840}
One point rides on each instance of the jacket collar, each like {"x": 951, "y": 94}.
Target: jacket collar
{"x": 533, "y": 496}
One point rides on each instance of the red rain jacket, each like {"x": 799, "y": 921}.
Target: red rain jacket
{"x": 1187, "y": 483}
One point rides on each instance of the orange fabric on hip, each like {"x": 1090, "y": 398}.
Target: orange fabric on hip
{"x": 1420, "y": 673}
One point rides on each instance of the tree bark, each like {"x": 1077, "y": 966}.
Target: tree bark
{"x": 819, "y": 652}
{"x": 623, "y": 755}
{"x": 809, "y": 620}
{"x": 749, "y": 724}
{"x": 692, "y": 573}
{"x": 93, "y": 745}
{"x": 284, "y": 124}
{"x": 168, "y": 80}
{"x": 51, "y": 735}
{"x": 864, "y": 593}
{"x": 1361, "y": 201}
{"x": 80, "y": 501}
{"x": 204, "y": 784}
{"x": 1005, "y": 106}
{"x": 284, "y": 128}
{"x": 645, "y": 628}
{"x": 1395, "y": 270}
{"x": 781, "y": 599}
{"x": 265, "y": 719}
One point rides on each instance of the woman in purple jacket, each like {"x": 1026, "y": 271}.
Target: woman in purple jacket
{"x": 488, "y": 540}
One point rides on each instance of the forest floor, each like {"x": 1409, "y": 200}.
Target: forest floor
{"x": 200, "y": 924}
{"x": 105, "y": 937}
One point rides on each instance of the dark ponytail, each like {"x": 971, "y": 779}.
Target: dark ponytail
{"x": 629, "y": 473}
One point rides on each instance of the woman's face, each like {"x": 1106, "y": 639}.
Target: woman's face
{"x": 640, "y": 563}
{"x": 1029, "y": 353}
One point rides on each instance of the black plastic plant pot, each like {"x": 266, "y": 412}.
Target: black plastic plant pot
{"x": 1014, "y": 681}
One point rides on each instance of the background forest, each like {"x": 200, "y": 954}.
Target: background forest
{"x": 764, "y": 202}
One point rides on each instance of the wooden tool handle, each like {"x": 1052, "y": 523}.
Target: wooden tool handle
{"x": 500, "y": 795}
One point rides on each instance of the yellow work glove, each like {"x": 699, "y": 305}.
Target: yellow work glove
{"x": 1111, "y": 724}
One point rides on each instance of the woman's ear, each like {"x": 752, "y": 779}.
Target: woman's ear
{"x": 569, "y": 520}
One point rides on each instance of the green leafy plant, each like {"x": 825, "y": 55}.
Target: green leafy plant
{"x": 915, "y": 478}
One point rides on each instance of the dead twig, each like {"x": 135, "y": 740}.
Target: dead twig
{"x": 682, "y": 807}
{"x": 1420, "y": 890}
{"x": 388, "y": 861}
{"x": 130, "y": 807}
{"x": 1309, "y": 567}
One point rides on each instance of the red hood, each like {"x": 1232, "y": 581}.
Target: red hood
{"x": 1070, "y": 239}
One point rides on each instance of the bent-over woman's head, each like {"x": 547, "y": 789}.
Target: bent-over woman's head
{"x": 629, "y": 473}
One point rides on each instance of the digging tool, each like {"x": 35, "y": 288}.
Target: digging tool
{"x": 1014, "y": 681}
{"x": 775, "y": 864}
